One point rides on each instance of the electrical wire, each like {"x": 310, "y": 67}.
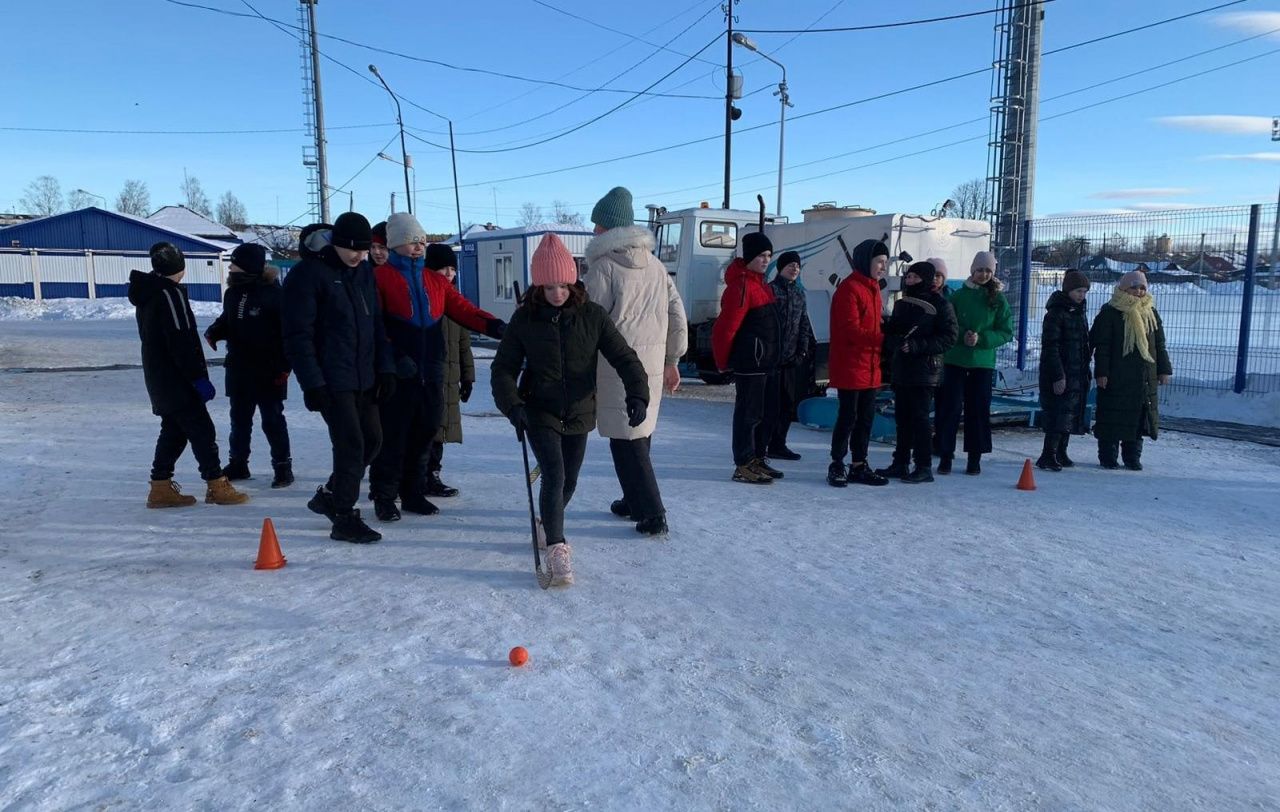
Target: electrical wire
{"x": 185, "y": 132}
{"x": 624, "y": 33}
{"x": 900, "y": 24}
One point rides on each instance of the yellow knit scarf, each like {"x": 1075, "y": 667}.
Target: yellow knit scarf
{"x": 1139, "y": 321}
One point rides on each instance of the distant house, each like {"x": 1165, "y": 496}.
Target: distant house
{"x": 185, "y": 221}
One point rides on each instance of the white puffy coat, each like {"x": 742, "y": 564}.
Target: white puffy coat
{"x": 627, "y": 280}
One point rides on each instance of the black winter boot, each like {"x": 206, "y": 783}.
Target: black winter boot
{"x": 417, "y": 503}
{"x": 1109, "y": 454}
{"x": 322, "y": 502}
{"x": 1049, "y": 455}
{"x": 974, "y": 467}
{"x": 782, "y": 453}
{"x": 836, "y": 475}
{"x": 652, "y": 526}
{"x": 896, "y": 470}
{"x": 921, "y": 474}
{"x": 944, "y": 465}
{"x": 1063, "y": 459}
{"x": 386, "y": 510}
{"x": 236, "y": 470}
{"x": 284, "y": 475}
{"x": 1131, "y": 453}
{"x": 862, "y": 474}
{"x": 350, "y": 527}
{"x": 436, "y": 487}
{"x": 620, "y": 508}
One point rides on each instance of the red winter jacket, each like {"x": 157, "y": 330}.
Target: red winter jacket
{"x": 856, "y": 311}
{"x": 745, "y": 336}
{"x": 418, "y": 336}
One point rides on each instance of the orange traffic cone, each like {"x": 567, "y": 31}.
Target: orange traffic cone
{"x": 269, "y": 555}
{"x": 1027, "y": 482}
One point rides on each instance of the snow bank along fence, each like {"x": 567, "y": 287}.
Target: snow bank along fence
{"x": 1213, "y": 273}
{"x": 44, "y": 273}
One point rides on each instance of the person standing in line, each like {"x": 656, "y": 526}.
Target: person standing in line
{"x": 556, "y": 336}
{"x": 1064, "y": 370}
{"x": 797, "y": 348}
{"x": 857, "y": 313}
{"x": 921, "y": 329}
{"x": 378, "y": 245}
{"x": 459, "y": 376}
{"x": 968, "y": 374}
{"x": 940, "y": 274}
{"x": 177, "y": 380}
{"x": 632, "y": 285}
{"x": 1130, "y": 364}
{"x": 257, "y": 373}
{"x": 413, "y": 300}
{"x": 745, "y": 340}
{"x": 334, "y": 341}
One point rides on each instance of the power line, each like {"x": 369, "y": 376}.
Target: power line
{"x": 184, "y": 132}
{"x": 900, "y": 24}
{"x": 623, "y": 33}
{"x": 1144, "y": 27}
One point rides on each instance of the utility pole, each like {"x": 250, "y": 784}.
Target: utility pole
{"x": 728, "y": 95}
{"x": 322, "y": 161}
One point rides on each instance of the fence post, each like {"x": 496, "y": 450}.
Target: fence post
{"x": 90, "y": 275}
{"x": 35, "y": 276}
{"x": 1024, "y": 296}
{"x": 1246, "y": 303}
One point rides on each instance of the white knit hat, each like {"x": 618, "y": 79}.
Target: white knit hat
{"x": 403, "y": 228}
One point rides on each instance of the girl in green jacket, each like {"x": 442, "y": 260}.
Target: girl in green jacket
{"x": 968, "y": 374}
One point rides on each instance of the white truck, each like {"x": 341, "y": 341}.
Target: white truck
{"x": 697, "y": 245}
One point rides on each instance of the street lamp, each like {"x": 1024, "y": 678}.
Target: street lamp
{"x": 742, "y": 39}
{"x": 408, "y": 198}
{"x": 91, "y": 194}
{"x": 384, "y": 156}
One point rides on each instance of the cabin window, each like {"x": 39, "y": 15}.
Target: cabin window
{"x": 503, "y": 277}
{"x": 716, "y": 234}
{"x": 669, "y": 243}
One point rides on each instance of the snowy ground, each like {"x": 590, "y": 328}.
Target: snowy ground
{"x": 1106, "y": 642}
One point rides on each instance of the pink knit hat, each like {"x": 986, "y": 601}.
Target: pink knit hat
{"x": 552, "y": 263}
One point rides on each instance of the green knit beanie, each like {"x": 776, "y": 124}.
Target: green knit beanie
{"x": 615, "y": 209}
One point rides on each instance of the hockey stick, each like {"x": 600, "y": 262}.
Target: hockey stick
{"x": 544, "y": 577}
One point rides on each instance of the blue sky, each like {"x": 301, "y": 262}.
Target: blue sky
{"x": 154, "y": 65}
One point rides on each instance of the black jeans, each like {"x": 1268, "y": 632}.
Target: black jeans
{"x": 273, "y": 425}
{"x": 852, "y": 433}
{"x": 788, "y": 398}
{"x": 560, "y": 458}
{"x": 190, "y": 425}
{"x": 911, "y": 405}
{"x": 410, "y": 420}
{"x": 968, "y": 392}
{"x": 755, "y": 408}
{"x": 435, "y": 457}
{"x": 356, "y": 434}
{"x": 634, "y": 467}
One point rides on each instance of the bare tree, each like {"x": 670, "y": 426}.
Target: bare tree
{"x": 43, "y": 196}
{"x": 78, "y": 199}
{"x": 970, "y": 200}
{"x": 531, "y": 215}
{"x": 563, "y": 216}
{"x": 134, "y": 199}
{"x": 193, "y": 196}
{"x": 231, "y": 212}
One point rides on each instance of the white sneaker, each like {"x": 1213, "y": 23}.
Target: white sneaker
{"x": 559, "y": 560}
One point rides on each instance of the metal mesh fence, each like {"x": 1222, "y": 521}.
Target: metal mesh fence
{"x": 1197, "y": 263}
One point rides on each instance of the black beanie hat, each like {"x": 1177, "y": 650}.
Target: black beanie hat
{"x": 351, "y": 230}
{"x": 167, "y": 259}
{"x": 926, "y": 272}
{"x": 250, "y": 258}
{"x": 786, "y": 258}
{"x": 440, "y": 256}
{"x": 379, "y": 232}
{"x": 754, "y": 244}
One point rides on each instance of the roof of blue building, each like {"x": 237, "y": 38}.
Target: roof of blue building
{"x": 95, "y": 229}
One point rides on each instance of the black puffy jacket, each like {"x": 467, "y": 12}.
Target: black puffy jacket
{"x": 250, "y": 324}
{"x": 333, "y": 332}
{"x": 926, "y": 323}
{"x": 797, "y": 342}
{"x": 1064, "y": 354}
{"x": 172, "y": 360}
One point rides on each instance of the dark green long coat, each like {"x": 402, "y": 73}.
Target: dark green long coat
{"x": 460, "y": 366}
{"x": 1129, "y": 407}
{"x": 559, "y": 346}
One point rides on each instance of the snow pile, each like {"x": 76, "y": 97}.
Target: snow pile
{"x": 14, "y": 308}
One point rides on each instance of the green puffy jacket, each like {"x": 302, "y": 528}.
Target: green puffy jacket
{"x": 559, "y": 346}
{"x": 994, "y": 326}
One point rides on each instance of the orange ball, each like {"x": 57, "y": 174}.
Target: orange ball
{"x": 518, "y": 656}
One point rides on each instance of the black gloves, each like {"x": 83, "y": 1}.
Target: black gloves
{"x": 405, "y": 367}
{"x": 519, "y": 418}
{"x": 495, "y": 328}
{"x": 637, "y": 410}
{"x": 464, "y": 390}
{"x": 385, "y": 388}
{"x": 316, "y": 399}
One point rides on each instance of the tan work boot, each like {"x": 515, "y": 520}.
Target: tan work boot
{"x": 221, "y": 492}
{"x": 165, "y": 493}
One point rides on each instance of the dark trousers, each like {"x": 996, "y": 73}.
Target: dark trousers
{"x": 560, "y": 459}
{"x": 754, "y": 407}
{"x": 273, "y": 425}
{"x": 356, "y": 435}
{"x": 852, "y": 433}
{"x": 191, "y": 425}
{"x": 788, "y": 399}
{"x": 410, "y": 419}
{"x": 964, "y": 392}
{"x": 911, "y": 405}
{"x": 632, "y": 464}
{"x": 435, "y": 457}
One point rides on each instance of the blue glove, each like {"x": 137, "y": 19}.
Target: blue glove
{"x": 205, "y": 390}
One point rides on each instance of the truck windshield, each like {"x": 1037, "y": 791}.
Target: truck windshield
{"x": 717, "y": 234}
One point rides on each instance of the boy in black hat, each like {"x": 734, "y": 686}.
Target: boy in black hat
{"x": 795, "y": 357}
{"x": 334, "y": 340}
{"x": 257, "y": 371}
{"x": 177, "y": 379}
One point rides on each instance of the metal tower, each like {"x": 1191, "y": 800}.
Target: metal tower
{"x": 1015, "y": 106}
{"x": 313, "y": 155}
